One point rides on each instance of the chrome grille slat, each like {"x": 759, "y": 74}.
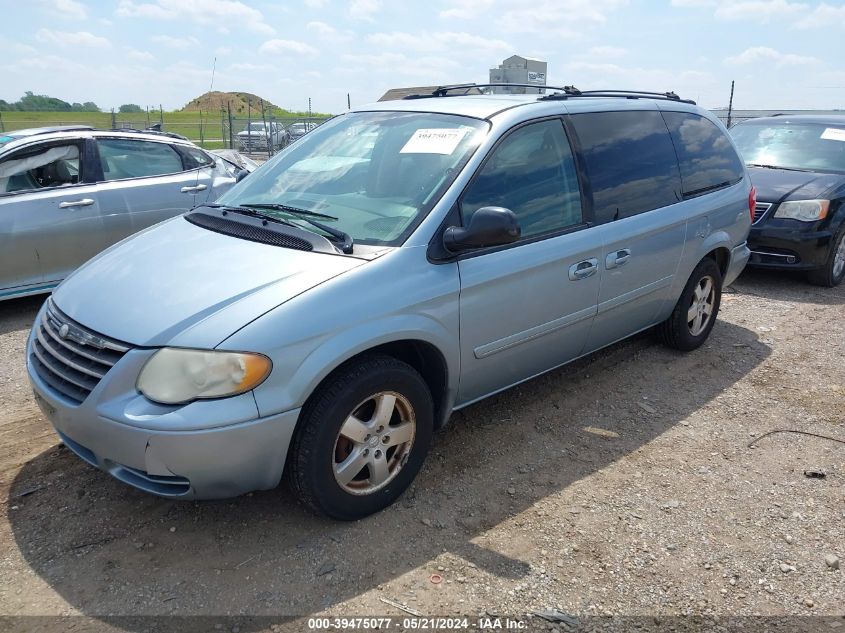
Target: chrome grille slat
{"x": 48, "y": 327}
{"x": 760, "y": 210}
{"x": 69, "y": 357}
{"x": 58, "y": 315}
{"x": 57, "y": 353}
{"x": 60, "y": 371}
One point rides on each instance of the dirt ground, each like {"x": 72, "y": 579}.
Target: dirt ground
{"x": 620, "y": 485}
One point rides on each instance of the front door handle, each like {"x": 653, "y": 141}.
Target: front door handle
{"x": 617, "y": 259}
{"x": 584, "y": 269}
{"x": 193, "y": 189}
{"x": 69, "y": 204}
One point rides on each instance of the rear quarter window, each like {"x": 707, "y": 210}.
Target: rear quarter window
{"x": 706, "y": 157}
{"x": 630, "y": 160}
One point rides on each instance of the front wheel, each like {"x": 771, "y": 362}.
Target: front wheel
{"x": 362, "y": 439}
{"x": 833, "y": 272}
{"x": 695, "y": 313}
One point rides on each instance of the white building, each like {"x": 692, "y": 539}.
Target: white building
{"x": 519, "y": 70}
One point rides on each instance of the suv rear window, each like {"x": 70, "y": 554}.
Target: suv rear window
{"x": 707, "y": 159}
{"x": 630, "y": 160}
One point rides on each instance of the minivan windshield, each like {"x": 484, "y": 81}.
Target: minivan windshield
{"x": 790, "y": 145}
{"x": 374, "y": 174}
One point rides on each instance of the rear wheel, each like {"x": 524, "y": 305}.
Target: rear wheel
{"x": 362, "y": 439}
{"x": 833, "y": 272}
{"x": 694, "y": 315}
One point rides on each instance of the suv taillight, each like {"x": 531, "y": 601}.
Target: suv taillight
{"x": 752, "y": 201}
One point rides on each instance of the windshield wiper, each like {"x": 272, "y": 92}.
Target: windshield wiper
{"x": 340, "y": 237}
{"x": 776, "y": 167}
{"x": 289, "y": 209}
{"x": 245, "y": 211}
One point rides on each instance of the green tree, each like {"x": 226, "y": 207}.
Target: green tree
{"x": 130, "y": 107}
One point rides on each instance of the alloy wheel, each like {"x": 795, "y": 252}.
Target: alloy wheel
{"x": 839, "y": 259}
{"x": 374, "y": 443}
{"x": 701, "y": 307}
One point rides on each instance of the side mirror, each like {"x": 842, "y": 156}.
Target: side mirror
{"x": 489, "y": 226}
{"x": 243, "y": 173}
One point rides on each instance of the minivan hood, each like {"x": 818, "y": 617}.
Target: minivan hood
{"x": 180, "y": 284}
{"x": 778, "y": 185}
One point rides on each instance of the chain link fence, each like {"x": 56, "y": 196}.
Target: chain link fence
{"x": 258, "y": 135}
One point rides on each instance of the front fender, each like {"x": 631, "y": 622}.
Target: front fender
{"x": 298, "y": 369}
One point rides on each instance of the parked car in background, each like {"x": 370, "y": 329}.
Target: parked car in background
{"x": 298, "y": 129}
{"x": 68, "y": 193}
{"x": 259, "y": 136}
{"x": 797, "y": 164}
{"x": 334, "y": 308}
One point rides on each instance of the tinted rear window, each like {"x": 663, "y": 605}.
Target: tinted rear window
{"x": 630, "y": 160}
{"x": 707, "y": 158}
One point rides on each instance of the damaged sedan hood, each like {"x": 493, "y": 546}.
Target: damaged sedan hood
{"x": 180, "y": 284}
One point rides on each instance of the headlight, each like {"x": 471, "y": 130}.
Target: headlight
{"x": 804, "y": 210}
{"x": 178, "y": 376}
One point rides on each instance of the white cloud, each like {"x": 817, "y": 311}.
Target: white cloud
{"x": 67, "y": 8}
{"x": 693, "y": 3}
{"x": 823, "y": 15}
{"x": 175, "y": 42}
{"x": 138, "y": 56}
{"x": 364, "y": 9}
{"x": 607, "y": 52}
{"x": 66, "y": 38}
{"x": 467, "y": 9}
{"x": 758, "y": 54}
{"x": 442, "y": 41}
{"x": 316, "y": 4}
{"x": 759, "y": 10}
{"x": 558, "y": 18}
{"x": 204, "y": 12}
{"x": 277, "y": 47}
{"x": 328, "y": 33}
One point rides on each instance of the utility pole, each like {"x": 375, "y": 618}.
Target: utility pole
{"x": 731, "y": 104}
{"x": 348, "y": 102}
{"x": 231, "y": 135}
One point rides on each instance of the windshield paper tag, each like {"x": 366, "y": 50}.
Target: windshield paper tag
{"x": 834, "y": 134}
{"x": 434, "y": 141}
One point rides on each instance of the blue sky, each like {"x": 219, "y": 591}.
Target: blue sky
{"x": 782, "y": 54}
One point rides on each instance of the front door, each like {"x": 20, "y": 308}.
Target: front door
{"x": 145, "y": 182}
{"x": 527, "y": 307}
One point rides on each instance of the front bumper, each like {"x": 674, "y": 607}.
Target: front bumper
{"x": 788, "y": 248}
{"x": 204, "y": 450}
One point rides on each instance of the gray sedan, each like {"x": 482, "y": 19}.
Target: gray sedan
{"x": 68, "y": 193}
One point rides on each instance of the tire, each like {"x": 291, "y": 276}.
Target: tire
{"x": 681, "y": 332}
{"x": 833, "y": 271}
{"x": 329, "y": 446}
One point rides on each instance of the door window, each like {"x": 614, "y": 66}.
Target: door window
{"x": 40, "y": 167}
{"x": 130, "y": 158}
{"x": 532, "y": 173}
{"x": 630, "y": 160}
{"x": 708, "y": 160}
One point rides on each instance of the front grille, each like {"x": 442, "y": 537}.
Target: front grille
{"x": 760, "y": 209}
{"x": 69, "y": 357}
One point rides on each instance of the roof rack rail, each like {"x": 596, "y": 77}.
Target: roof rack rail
{"x": 557, "y": 92}
{"x": 627, "y": 94}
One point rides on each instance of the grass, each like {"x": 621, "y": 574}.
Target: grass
{"x": 207, "y": 130}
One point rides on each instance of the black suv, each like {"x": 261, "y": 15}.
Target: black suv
{"x": 797, "y": 164}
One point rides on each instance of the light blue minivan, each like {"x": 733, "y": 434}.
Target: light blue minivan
{"x": 399, "y": 262}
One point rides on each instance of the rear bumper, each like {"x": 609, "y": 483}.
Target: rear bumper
{"x": 739, "y": 258}
{"x": 788, "y": 249}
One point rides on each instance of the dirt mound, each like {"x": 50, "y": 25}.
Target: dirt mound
{"x": 215, "y": 101}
